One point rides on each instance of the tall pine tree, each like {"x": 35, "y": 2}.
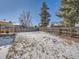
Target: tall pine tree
{"x": 44, "y": 15}
{"x": 69, "y": 11}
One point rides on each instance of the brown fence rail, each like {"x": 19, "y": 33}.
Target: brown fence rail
{"x": 64, "y": 31}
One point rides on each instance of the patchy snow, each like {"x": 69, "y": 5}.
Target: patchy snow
{"x": 41, "y": 45}
{"x": 5, "y": 44}
{"x": 4, "y": 51}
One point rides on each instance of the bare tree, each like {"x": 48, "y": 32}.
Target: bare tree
{"x": 25, "y": 19}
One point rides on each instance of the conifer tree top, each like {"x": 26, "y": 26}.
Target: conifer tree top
{"x": 44, "y": 5}
{"x": 44, "y": 14}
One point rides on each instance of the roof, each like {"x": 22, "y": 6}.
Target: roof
{"x": 5, "y": 23}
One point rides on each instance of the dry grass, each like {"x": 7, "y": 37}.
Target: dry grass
{"x": 68, "y": 38}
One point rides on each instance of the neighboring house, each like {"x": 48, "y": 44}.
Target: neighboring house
{"x": 6, "y": 27}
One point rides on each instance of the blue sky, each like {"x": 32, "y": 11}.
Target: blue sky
{"x": 11, "y": 9}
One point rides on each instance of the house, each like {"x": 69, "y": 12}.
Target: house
{"x": 6, "y": 27}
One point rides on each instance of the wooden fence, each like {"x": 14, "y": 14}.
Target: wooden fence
{"x": 26, "y": 29}
{"x": 64, "y": 31}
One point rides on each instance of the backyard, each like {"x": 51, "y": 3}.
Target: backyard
{"x": 40, "y": 45}
{"x": 39, "y": 29}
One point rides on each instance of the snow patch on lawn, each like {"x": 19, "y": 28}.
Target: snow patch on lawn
{"x": 5, "y": 44}
{"x": 4, "y": 51}
{"x": 41, "y": 45}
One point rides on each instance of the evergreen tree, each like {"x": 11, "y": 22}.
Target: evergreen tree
{"x": 44, "y": 15}
{"x": 69, "y": 11}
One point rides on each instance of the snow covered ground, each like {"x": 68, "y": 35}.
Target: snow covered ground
{"x": 41, "y": 45}
{"x": 5, "y": 44}
{"x": 4, "y": 51}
